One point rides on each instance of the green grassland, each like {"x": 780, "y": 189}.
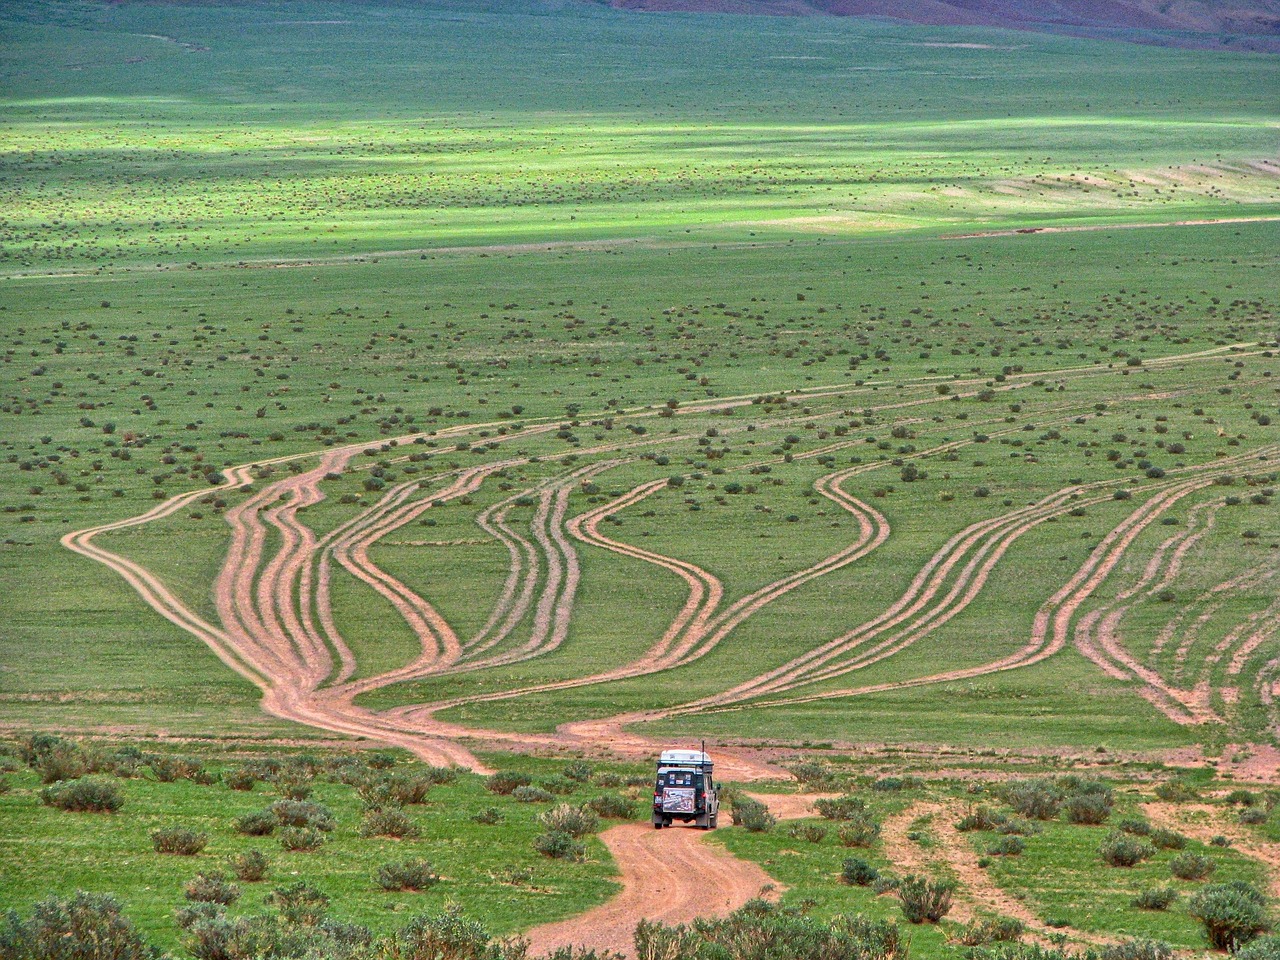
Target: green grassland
{"x": 227, "y": 239}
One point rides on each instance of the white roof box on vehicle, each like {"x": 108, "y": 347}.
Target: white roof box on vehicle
{"x": 683, "y": 758}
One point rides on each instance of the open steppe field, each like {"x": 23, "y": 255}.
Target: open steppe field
{"x": 507, "y": 383}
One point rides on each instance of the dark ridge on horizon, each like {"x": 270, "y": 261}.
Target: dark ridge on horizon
{"x": 1239, "y": 25}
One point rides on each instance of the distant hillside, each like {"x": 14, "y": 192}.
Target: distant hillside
{"x": 1221, "y": 24}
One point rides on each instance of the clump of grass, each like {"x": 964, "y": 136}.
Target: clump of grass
{"x": 1155, "y": 898}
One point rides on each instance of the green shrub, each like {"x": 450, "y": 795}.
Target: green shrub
{"x": 63, "y": 760}
{"x": 579, "y": 770}
{"x": 810, "y": 832}
{"x": 1011, "y": 846}
{"x": 531, "y": 794}
{"x": 293, "y": 787}
{"x": 211, "y": 888}
{"x": 1263, "y": 948}
{"x": 1121, "y": 850}
{"x": 895, "y": 784}
{"x": 393, "y": 822}
{"x": 261, "y": 824}
{"x": 179, "y": 841}
{"x": 299, "y": 903}
{"x": 441, "y": 775}
{"x": 840, "y": 808}
{"x": 858, "y": 873}
{"x": 88, "y": 795}
{"x": 981, "y": 817}
{"x": 300, "y": 839}
{"x": 1034, "y": 799}
{"x": 560, "y": 786}
{"x": 1016, "y": 826}
{"x": 240, "y": 779}
{"x": 752, "y": 815}
{"x": 565, "y": 818}
{"x": 925, "y": 900}
{"x": 1232, "y": 914}
{"x": 86, "y": 926}
{"x": 1088, "y": 809}
{"x": 1177, "y": 791}
{"x": 169, "y": 768}
{"x": 301, "y": 813}
{"x": 1139, "y": 828}
{"x": 1192, "y": 866}
{"x": 250, "y": 866}
{"x": 1155, "y": 898}
{"x": 407, "y": 875}
{"x": 1163, "y": 839}
{"x": 989, "y": 930}
{"x": 1252, "y": 816}
{"x": 1242, "y": 798}
{"x": 1136, "y": 950}
{"x": 560, "y": 846}
{"x": 490, "y": 816}
{"x": 861, "y": 831}
{"x": 504, "y": 782}
{"x": 613, "y": 806}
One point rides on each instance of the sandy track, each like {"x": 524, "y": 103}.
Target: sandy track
{"x": 671, "y": 876}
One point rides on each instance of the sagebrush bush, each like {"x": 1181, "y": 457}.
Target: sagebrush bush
{"x": 392, "y": 822}
{"x": 1011, "y": 846}
{"x": 1163, "y": 839}
{"x": 860, "y": 831}
{"x": 179, "y": 841}
{"x": 895, "y": 784}
{"x": 250, "y": 866}
{"x": 751, "y": 814}
{"x": 407, "y": 875}
{"x": 1121, "y": 850}
{"x": 299, "y": 903}
{"x": 990, "y": 930}
{"x": 1139, "y": 828}
{"x": 504, "y": 782}
{"x": 560, "y": 846}
{"x": 858, "y": 873}
{"x": 613, "y": 806}
{"x": 1141, "y": 949}
{"x": 1192, "y": 866}
{"x": 579, "y": 770}
{"x": 1232, "y": 914}
{"x": 260, "y": 824}
{"x": 981, "y": 817}
{"x": 1252, "y": 816}
{"x": 925, "y": 900}
{"x": 565, "y": 818}
{"x": 87, "y": 795}
{"x": 1034, "y": 799}
{"x": 528, "y": 793}
{"x": 211, "y": 888}
{"x": 1263, "y": 948}
{"x": 1088, "y": 809}
{"x": 1155, "y": 898}
{"x": 303, "y": 813}
{"x": 809, "y": 832}
{"x": 840, "y": 808}
{"x": 86, "y": 926}
{"x": 560, "y": 786}
{"x": 300, "y": 839}
{"x": 240, "y": 779}
{"x": 490, "y": 816}
{"x": 168, "y": 768}
{"x": 1177, "y": 791}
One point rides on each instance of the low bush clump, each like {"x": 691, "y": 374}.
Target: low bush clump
{"x": 211, "y": 888}
{"x": 1177, "y": 791}
{"x": 1121, "y": 850}
{"x": 991, "y": 930}
{"x": 1252, "y": 816}
{"x": 841, "y": 808}
{"x": 1136, "y": 950}
{"x": 613, "y": 806}
{"x": 531, "y": 794}
{"x": 411, "y": 875}
{"x": 86, "y": 926}
{"x": 1192, "y": 866}
{"x": 858, "y": 873}
{"x": 179, "y": 841}
{"x": 579, "y": 770}
{"x": 490, "y": 816}
{"x": 1089, "y": 809}
{"x": 560, "y": 786}
{"x": 1232, "y": 914}
{"x": 1011, "y": 846}
{"x": 895, "y": 784}
{"x": 1033, "y": 799}
{"x": 300, "y": 839}
{"x": 810, "y": 832}
{"x": 1139, "y": 828}
{"x": 250, "y": 866}
{"x": 504, "y": 782}
{"x": 1163, "y": 839}
{"x": 565, "y": 818}
{"x": 299, "y": 903}
{"x": 1263, "y": 948}
{"x": 981, "y": 817}
{"x": 925, "y": 900}
{"x": 393, "y": 822}
{"x": 301, "y": 813}
{"x": 169, "y": 768}
{"x": 240, "y": 779}
{"x": 261, "y": 824}
{"x": 560, "y": 846}
{"x": 861, "y": 831}
{"x": 89, "y": 795}
{"x": 1155, "y": 898}
{"x": 752, "y": 815}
